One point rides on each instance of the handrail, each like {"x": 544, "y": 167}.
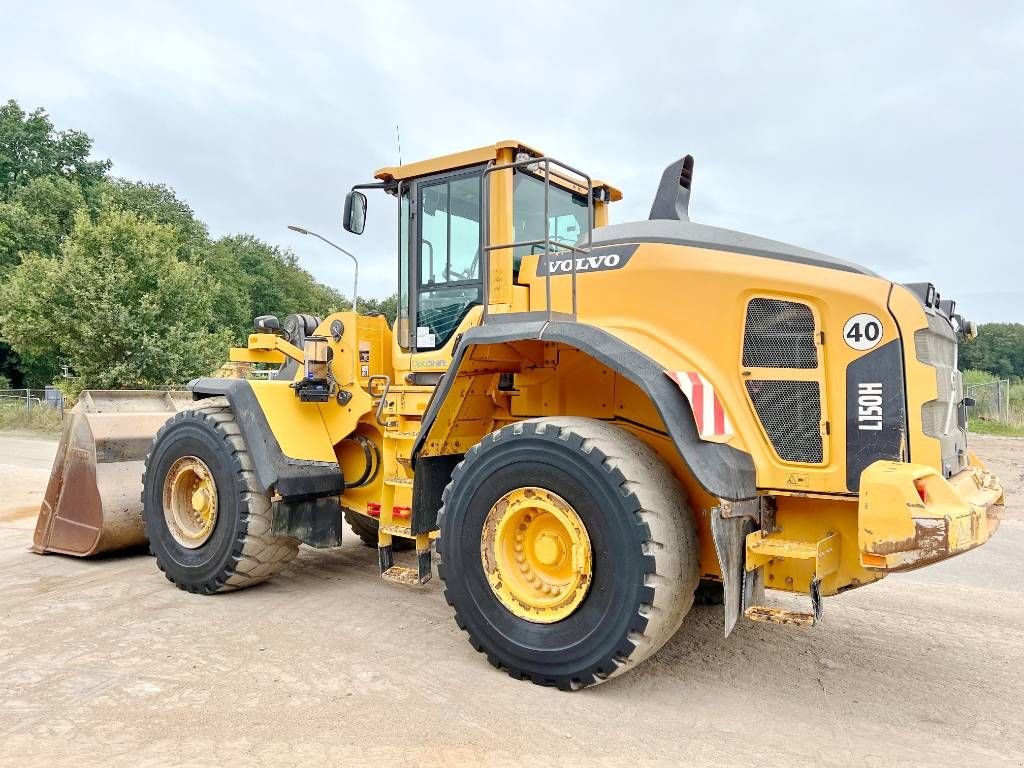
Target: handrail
{"x": 383, "y": 397}
{"x": 546, "y": 240}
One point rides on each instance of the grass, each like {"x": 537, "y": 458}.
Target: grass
{"x": 986, "y": 427}
{"x": 39, "y": 419}
{"x": 982, "y": 421}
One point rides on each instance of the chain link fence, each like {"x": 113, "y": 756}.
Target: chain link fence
{"x": 991, "y": 401}
{"x": 28, "y": 399}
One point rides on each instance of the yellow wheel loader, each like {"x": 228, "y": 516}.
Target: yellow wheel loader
{"x": 593, "y": 421}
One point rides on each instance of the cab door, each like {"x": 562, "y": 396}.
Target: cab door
{"x": 445, "y": 254}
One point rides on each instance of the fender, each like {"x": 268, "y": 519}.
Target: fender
{"x": 292, "y": 478}
{"x": 722, "y": 470}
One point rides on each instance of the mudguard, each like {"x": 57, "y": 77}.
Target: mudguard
{"x": 723, "y": 471}
{"x": 291, "y": 478}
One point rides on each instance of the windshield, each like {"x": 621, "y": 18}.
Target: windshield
{"x": 567, "y": 215}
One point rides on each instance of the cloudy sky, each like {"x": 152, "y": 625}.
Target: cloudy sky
{"x": 886, "y": 135}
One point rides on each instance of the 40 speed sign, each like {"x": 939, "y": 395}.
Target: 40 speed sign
{"x": 862, "y": 332}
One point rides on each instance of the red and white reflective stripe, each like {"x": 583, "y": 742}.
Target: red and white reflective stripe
{"x": 707, "y": 408}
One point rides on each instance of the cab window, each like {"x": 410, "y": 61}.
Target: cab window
{"x": 448, "y": 215}
{"x": 567, "y": 215}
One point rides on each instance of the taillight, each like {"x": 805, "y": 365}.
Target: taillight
{"x": 922, "y": 491}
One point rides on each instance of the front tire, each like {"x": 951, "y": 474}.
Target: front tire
{"x": 639, "y": 534}
{"x": 229, "y": 544}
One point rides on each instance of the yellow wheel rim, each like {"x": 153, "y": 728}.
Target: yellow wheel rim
{"x": 190, "y": 501}
{"x": 536, "y": 555}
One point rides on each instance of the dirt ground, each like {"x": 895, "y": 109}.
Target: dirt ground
{"x": 104, "y": 663}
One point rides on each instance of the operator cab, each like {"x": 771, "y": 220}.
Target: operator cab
{"x": 460, "y": 213}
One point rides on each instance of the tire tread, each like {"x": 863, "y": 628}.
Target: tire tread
{"x": 256, "y": 553}
{"x": 670, "y": 544}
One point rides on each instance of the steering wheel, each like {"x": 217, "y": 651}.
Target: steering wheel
{"x": 468, "y": 273}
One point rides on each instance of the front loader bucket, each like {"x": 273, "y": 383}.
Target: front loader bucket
{"x": 93, "y": 501}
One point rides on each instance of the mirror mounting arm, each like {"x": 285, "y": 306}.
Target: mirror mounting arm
{"x": 387, "y": 186}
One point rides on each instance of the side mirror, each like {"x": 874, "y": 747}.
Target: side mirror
{"x": 354, "y": 219}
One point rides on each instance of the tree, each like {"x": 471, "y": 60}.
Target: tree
{"x": 37, "y": 217}
{"x": 320, "y": 299}
{"x": 998, "y": 349}
{"x": 117, "y": 305}
{"x": 387, "y": 307}
{"x": 31, "y": 148}
{"x": 46, "y": 177}
{"x": 118, "y": 279}
{"x": 273, "y": 281}
{"x": 158, "y": 203}
{"x": 9, "y": 365}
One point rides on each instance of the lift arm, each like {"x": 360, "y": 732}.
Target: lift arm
{"x": 265, "y": 348}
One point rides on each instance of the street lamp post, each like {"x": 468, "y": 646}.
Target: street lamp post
{"x": 355, "y": 283}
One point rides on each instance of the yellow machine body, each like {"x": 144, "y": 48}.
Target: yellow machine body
{"x": 685, "y": 308}
{"x": 691, "y": 318}
{"x": 820, "y": 523}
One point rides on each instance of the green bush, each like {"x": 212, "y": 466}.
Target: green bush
{"x": 117, "y": 304}
{"x": 972, "y": 376}
{"x": 119, "y": 280}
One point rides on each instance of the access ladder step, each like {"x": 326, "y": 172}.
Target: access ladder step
{"x": 399, "y": 574}
{"x": 824, "y": 554}
{"x": 770, "y": 547}
{"x": 774, "y": 615}
{"x": 767, "y": 613}
{"x": 397, "y": 434}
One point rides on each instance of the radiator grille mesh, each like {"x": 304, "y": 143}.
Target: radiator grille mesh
{"x": 790, "y": 412}
{"x": 779, "y": 334}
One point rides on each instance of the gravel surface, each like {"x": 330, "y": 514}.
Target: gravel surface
{"x": 104, "y": 663}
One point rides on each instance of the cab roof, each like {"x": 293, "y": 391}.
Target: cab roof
{"x": 476, "y": 157}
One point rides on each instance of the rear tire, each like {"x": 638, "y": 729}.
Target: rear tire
{"x": 643, "y": 542}
{"x": 240, "y": 550}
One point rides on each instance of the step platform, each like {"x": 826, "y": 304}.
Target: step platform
{"x": 400, "y": 574}
{"x": 762, "y": 548}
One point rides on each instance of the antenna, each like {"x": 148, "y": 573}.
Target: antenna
{"x": 398, "y": 139}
